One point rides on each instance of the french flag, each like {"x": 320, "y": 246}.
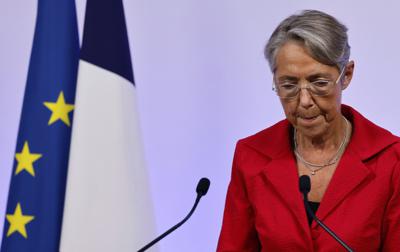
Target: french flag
{"x": 107, "y": 201}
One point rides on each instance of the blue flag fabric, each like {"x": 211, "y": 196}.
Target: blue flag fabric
{"x": 37, "y": 188}
{"x": 105, "y": 39}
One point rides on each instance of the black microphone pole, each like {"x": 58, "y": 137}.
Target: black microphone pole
{"x": 305, "y": 187}
{"x": 202, "y": 188}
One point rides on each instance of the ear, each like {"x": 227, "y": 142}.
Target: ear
{"x": 348, "y": 74}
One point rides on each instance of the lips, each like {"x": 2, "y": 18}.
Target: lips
{"x": 307, "y": 116}
{"x": 308, "y": 119}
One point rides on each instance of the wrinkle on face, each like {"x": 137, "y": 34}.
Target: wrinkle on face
{"x": 311, "y": 115}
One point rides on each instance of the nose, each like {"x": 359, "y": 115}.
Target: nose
{"x": 305, "y": 98}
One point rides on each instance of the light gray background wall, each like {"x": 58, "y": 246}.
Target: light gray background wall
{"x": 202, "y": 84}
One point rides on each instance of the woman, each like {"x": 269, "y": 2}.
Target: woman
{"x": 353, "y": 164}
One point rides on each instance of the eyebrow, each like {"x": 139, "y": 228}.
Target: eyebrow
{"x": 319, "y": 75}
{"x": 287, "y": 78}
{"x": 311, "y": 77}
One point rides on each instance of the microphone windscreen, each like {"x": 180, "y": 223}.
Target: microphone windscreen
{"x": 305, "y": 184}
{"x": 202, "y": 186}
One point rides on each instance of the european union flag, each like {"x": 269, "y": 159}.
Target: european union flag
{"x": 36, "y": 195}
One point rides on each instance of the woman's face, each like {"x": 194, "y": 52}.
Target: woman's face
{"x": 311, "y": 115}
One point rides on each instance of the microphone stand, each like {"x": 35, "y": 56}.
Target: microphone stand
{"x": 174, "y": 227}
{"x": 201, "y": 189}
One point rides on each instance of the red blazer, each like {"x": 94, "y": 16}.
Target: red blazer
{"x": 265, "y": 212}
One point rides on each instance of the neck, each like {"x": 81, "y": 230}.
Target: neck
{"x": 330, "y": 141}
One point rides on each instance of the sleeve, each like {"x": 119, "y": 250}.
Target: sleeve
{"x": 238, "y": 231}
{"x": 391, "y": 224}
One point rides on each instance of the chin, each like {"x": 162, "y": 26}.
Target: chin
{"x": 311, "y": 131}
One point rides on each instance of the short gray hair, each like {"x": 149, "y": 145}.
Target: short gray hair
{"x": 323, "y": 36}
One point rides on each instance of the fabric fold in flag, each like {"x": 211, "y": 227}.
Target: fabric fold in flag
{"x": 107, "y": 205}
{"x": 37, "y": 188}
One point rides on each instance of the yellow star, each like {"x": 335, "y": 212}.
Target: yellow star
{"x": 59, "y": 110}
{"x": 26, "y": 159}
{"x": 18, "y": 221}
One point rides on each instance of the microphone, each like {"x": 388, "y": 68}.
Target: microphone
{"x": 201, "y": 189}
{"x": 305, "y": 187}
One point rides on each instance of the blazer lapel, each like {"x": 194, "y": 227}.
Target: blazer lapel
{"x": 367, "y": 140}
{"x": 282, "y": 174}
{"x": 281, "y": 171}
{"x": 350, "y": 173}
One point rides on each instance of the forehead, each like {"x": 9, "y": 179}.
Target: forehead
{"x": 293, "y": 59}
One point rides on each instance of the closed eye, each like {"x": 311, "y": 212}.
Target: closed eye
{"x": 320, "y": 83}
{"x": 287, "y": 86}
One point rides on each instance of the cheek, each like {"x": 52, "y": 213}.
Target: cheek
{"x": 290, "y": 111}
{"x": 330, "y": 109}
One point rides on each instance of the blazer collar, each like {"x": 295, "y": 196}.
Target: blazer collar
{"x": 273, "y": 142}
{"x": 367, "y": 138}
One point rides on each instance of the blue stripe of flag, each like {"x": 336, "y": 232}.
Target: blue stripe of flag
{"x": 52, "y": 72}
{"x": 105, "y": 39}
